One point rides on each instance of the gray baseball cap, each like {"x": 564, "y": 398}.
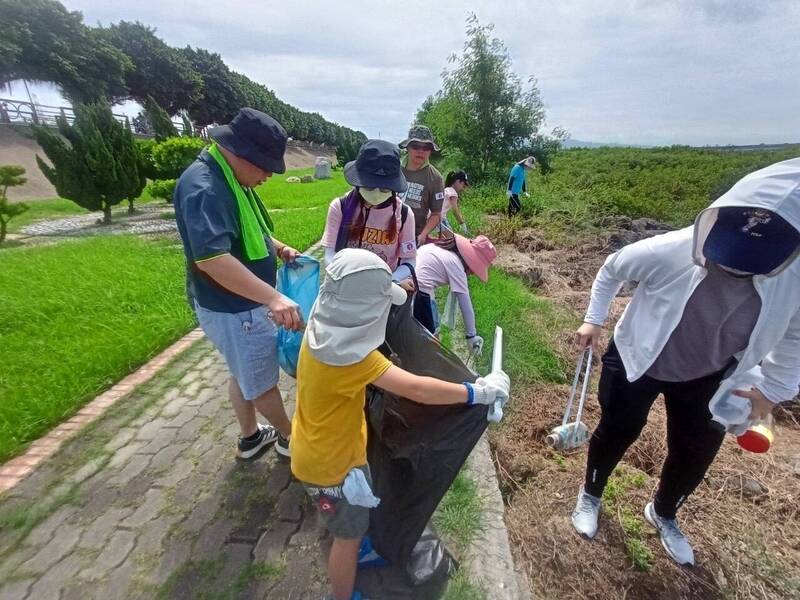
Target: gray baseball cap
{"x": 419, "y": 133}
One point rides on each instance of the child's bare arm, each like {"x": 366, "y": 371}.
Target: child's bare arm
{"x": 425, "y": 390}
{"x": 429, "y": 390}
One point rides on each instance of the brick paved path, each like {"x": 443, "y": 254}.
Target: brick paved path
{"x": 149, "y": 502}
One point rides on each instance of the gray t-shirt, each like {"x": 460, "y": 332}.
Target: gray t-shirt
{"x": 716, "y": 324}
{"x": 425, "y": 194}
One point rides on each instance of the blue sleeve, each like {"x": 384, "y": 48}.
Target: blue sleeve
{"x": 209, "y": 223}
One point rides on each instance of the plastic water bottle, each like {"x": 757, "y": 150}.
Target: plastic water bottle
{"x": 732, "y": 412}
{"x": 569, "y": 436}
{"x": 759, "y": 437}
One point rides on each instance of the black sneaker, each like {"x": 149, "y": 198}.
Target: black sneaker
{"x": 282, "y": 446}
{"x": 250, "y": 449}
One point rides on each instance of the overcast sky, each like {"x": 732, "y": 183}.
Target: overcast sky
{"x": 632, "y": 71}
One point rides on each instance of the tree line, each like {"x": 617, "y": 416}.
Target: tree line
{"x": 43, "y": 41}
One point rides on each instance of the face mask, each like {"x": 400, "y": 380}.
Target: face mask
{"x": 374, "y": 196}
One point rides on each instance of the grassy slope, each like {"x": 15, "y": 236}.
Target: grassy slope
{"x": 588, "y": 185}
{"x": 77, "y": 317}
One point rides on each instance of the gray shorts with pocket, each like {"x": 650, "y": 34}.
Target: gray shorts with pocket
{"x": 342, "y": 519}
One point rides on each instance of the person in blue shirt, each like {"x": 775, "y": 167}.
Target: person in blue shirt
{"x": 516, "y": 184}
{"x": 231, "y": 268}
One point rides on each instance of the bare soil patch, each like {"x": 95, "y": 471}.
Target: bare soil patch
{"x": 744, "y": 519}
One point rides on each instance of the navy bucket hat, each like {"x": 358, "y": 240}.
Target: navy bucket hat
{"x": 751, "y": 240}
{"x": 255, "y": 137}
{"x": 377, "y": 166}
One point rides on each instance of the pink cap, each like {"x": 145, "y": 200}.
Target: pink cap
{"x": 478, "y": 253}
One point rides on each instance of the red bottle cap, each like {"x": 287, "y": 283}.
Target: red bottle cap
{"x": 754, "y": 441}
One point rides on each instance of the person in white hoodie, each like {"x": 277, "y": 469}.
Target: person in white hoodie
{"x": 713, "y": 301}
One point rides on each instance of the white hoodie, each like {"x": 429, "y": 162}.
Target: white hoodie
{"x": 669, "y": 267}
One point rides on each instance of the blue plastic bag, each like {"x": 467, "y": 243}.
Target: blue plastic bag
{"x": 298, "y": 281}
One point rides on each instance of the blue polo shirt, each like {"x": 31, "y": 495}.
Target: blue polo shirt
{"x": 208, "y": 222}
{"x": 516, "y": 179}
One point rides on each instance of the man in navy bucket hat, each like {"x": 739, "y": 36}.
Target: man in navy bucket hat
{"x": 716, "y": 308}
{"x": 231, "y": 269}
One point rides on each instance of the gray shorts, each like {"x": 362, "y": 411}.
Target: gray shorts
{"x": 344, "y": 520}
{"x": 248, "y": 341}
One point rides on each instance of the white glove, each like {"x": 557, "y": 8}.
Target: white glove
{"x": 508, "y": 194}
{"x": 475, "y": 344}
{"x": 527, "y": 195}
{"x": 464, "y": 229}
{"x": 488, "y": 390}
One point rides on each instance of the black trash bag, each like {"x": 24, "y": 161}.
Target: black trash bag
{"x": 430, "y": 563}
{"x": 415, "y": 451}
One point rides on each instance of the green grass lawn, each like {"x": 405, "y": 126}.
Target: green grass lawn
{"x": 58, "y": 208}
{"x": 529, "y": 325}
{"x": 77, "y": 317}
{"x": 276, "y": 193}
{"x": 80, "y": 315}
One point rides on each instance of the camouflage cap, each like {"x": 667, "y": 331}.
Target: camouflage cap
{"x": 419, "y": 133}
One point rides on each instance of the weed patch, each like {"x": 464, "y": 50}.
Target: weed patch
{"x": 632, "y": 525}
{"x": 459, "y": 516}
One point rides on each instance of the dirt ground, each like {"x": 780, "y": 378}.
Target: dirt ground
{"x": 744, "y": 519}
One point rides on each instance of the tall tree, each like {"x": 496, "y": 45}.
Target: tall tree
{"x": 41, "y": 40}
{"x": 484, "y": 112}
{"x": 95, "y": 162}
{"x": 159, "y": 71}
{"x": 220, "y": 97}
{"x": 10, "y": 176}
{"x": 158, "y": 119}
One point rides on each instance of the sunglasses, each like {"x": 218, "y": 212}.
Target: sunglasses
{"x": 418, "y": 146}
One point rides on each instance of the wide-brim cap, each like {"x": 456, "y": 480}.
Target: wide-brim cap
{"x": 377, "y": 166}
{"x": 256, "y": 137}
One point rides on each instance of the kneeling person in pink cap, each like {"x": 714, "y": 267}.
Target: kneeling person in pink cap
{"x": 449, "y": 262}
{"x": 338, "y": 359}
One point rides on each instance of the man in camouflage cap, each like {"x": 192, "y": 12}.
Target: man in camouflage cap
{"x": 425, "y": 184}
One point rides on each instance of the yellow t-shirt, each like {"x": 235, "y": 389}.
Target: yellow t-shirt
{"x": 329, "y": 431}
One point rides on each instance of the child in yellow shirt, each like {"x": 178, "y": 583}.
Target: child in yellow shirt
{"x": 338, "y": 359}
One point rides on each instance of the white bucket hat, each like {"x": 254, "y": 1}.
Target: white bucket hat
{"x": 348, "y": 320}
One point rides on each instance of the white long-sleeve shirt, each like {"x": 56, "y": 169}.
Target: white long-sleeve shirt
{"x": 669, "y": 267}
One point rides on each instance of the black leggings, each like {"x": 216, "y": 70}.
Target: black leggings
{"x": 514, "y": 205}
{"x": 693, "y": 440}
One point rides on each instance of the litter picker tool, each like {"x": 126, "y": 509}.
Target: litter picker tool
{"x": 571, "y": 435}
{"x": 497, "y": 349}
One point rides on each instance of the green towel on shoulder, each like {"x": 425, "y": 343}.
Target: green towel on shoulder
{"x": 253, "y": 217}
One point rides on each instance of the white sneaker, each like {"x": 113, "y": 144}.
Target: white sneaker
{"x": 586, "y": 514}
{"x": 672, "y": 538}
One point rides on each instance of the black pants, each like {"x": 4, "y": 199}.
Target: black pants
{"x": 693, "y": 440}
{"x": 514, "y": 205}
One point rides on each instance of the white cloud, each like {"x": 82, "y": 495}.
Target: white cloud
{"x": 642, "y": 71}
